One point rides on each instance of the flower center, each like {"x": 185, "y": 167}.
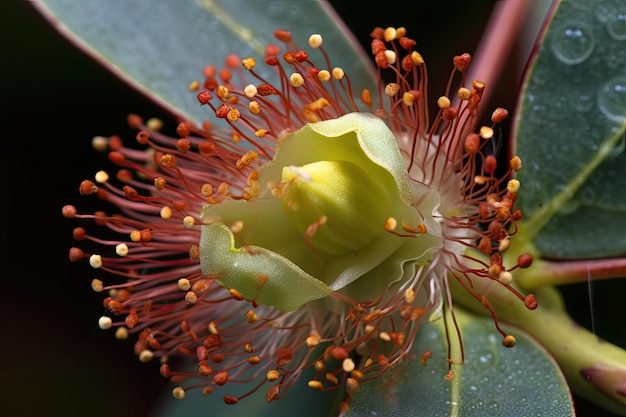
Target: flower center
{"x": 335, "y": 205}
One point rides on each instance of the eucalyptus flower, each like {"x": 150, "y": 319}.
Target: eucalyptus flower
{"x": 307, "y": 226}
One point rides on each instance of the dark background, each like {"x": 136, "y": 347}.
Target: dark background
{"x": 56, "y": 362}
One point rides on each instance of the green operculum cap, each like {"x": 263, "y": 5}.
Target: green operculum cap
{"x": 335, "y": 205}
{"x": 320, "y": 220}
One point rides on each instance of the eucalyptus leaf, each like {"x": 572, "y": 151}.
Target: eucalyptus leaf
{"x": 161, "y": 47}
{"x": 570, "y": 133}
{"x": 493, "y": 381}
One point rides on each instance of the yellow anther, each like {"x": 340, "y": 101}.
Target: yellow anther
{"x": 389, "y": 34}
{"x": 443, "y": 102}
{"x": 105, "y": 322}
{"x": 315, "y": 40}
{"x": 233, "y": 114}
{"x": 248, "y": 63}
{"x": 504, "y": 244}
{"x": 250, "y": 90}
{"x": 235, "y": 294}
{"x": 101, "y": 177}
{"x": 318, "y": 104}
{"x": 392, "y": 89}
{"x": 316, "y": 385}
{"x": 212, "y": 327}
{"x": 516, "y": 163}
{"x": 478, "y": 85}
{"x": 223, "y": 91}
{"x": 272, "y": 375}
{"x": 417, "y": 59}
{"x": 178, "y": 393}
{"x": 95, "y": 261}
{"x": 312, "y": 341}
{"x": 494, "y": 270}
{"x": 166, "y": 212}
{"x": 296, "y": 79}
{"x": 505, "y": 277}
{"x": 251, "y": 316}
{"x": 146, "y": 355}
{"x": 188, "y": 222}
{"x": 184, "y": 284}
{"x": 391, "y": 56}
{"x": 260, "y": 133}
{"x": 384, "y": 336}
{"x": 191, "y": 298}
{"x": 513, "y": 186}
{"x": 408, "y": 99}
{"x": 100, "y": 143}
{"x": 356, "y": 374}
{"x": 121, "y": 333}
{"x": 135, "y": 236}
{"x": 254, "y": 360}
{"x": 331, "y": 378}
{"x": 338, "y": 73}
{"x": 159, "y": 183}
{"x": 486, "y": 132}
{"x": 323, "y": 75}
{"x": 121, "y": 249}
{"x": 480, "y": 179}
{"x": 391, "y": 224}
{"x": 97, "y": 285}
{"x": 463, "y": 93}
{"x": 348, "y": 365}
{"x": 409, "y": 296}
{"x": 247, "y": 159}
{"x": 352, "y": 386}
{"x": 194, "y": 85}
{"x": 254, "y": 107}
{"x": 154, "y": 124}
{"x": 509, "y": 341}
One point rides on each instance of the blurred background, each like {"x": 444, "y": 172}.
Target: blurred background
{"x": 56, "y": 361}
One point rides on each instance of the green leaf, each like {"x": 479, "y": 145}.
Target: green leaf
{"x": 160, "y": 47}
{"x": 570, "y": 133}
{"x": 493, "y": 381}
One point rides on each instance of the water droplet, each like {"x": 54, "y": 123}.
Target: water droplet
{"x": 616, "y": 25}
{"x": 573, "y": 42}
{"x": 493, "y": 408}
{"x": 612, "y": 99}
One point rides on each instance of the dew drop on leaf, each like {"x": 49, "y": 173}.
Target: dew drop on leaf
{"x": 573, "y": 42}
{"x": 616, "y": 25}
{"x": 612, "y": 99}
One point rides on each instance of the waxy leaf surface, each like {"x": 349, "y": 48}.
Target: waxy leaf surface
{"x": 161, "y": 47}
{"x": 570, "y": 133}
